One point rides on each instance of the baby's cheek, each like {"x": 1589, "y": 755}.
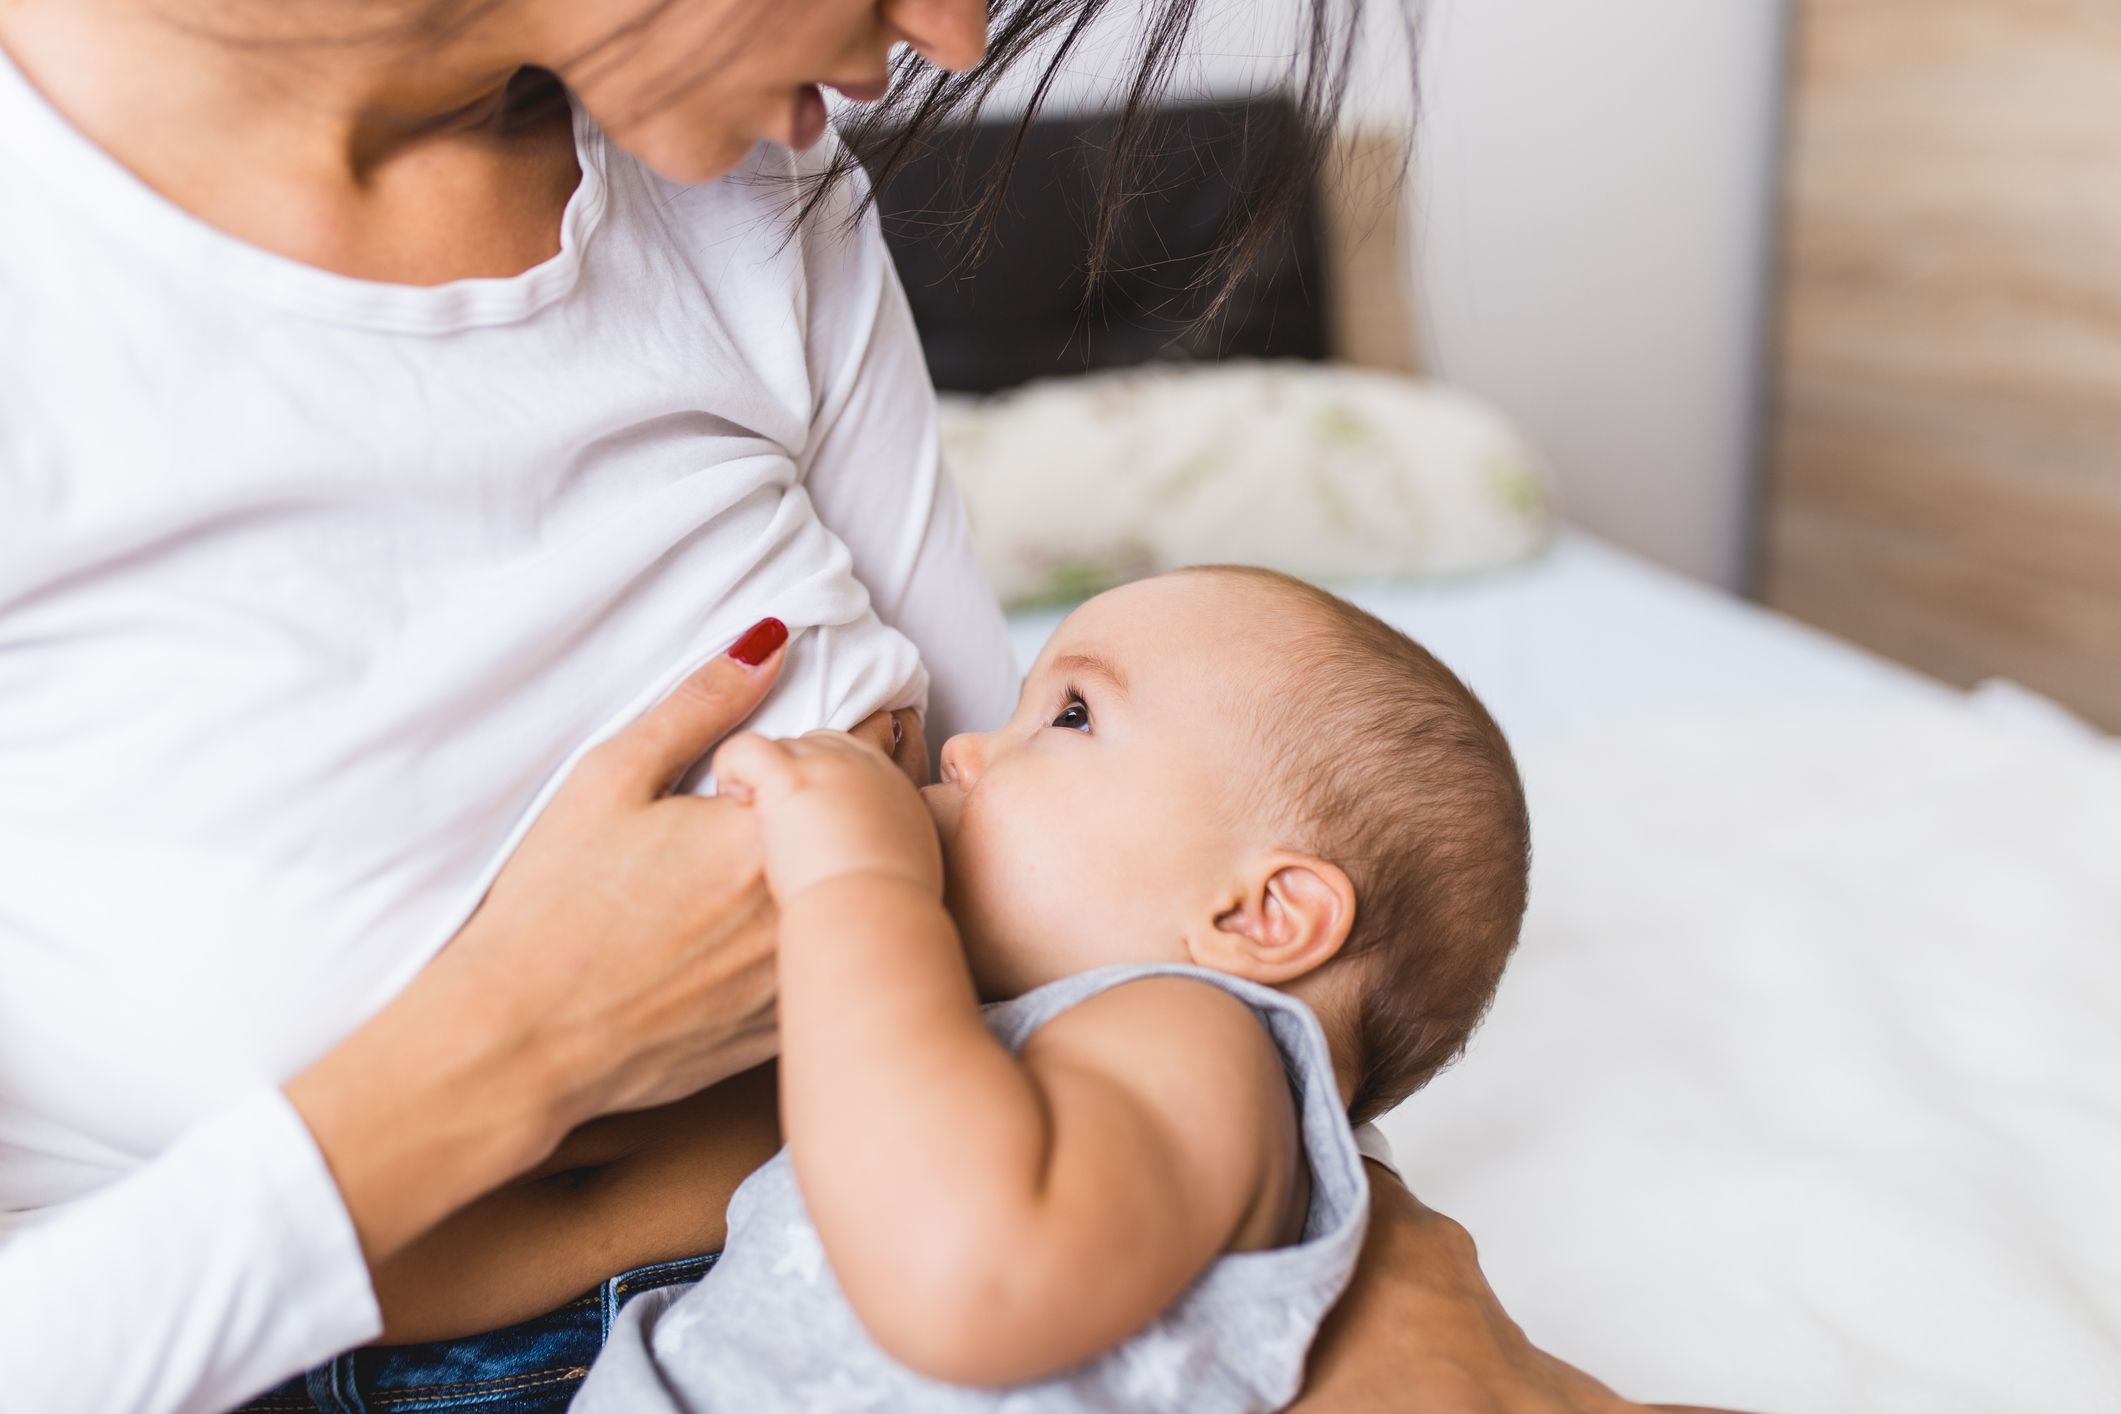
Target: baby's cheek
{"x": 976, "y": 888}
{"x": 1023, "y": 901}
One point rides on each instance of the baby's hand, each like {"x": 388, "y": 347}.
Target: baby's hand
{"x": 830, "y": 805}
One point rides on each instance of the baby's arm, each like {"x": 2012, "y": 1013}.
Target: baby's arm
{"x": 992, "y": 1218}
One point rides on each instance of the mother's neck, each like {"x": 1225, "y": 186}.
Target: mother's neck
{"x": 301, "y": 83}
{"x": 333, "y": 146}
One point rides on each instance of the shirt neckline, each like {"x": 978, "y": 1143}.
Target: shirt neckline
{"x": 85, "y": 173}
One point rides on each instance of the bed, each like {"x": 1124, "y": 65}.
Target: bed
{"x": 1803, "y": 1092}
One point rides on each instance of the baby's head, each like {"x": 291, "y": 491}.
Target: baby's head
{"x": 1229, "y": 767}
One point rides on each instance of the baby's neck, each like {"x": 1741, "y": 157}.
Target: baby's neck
{"x": 1335, "y": 1011}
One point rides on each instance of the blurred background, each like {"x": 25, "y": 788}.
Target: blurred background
{"x": 1812, "y": 302}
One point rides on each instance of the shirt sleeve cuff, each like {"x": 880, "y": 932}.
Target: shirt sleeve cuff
{"x": 212, "y": 1272}
{"x": 338, "y": 1310}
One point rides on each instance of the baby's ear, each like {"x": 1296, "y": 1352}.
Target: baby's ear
{"x": 1289, "y": 915}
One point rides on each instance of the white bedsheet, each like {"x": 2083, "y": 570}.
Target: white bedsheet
{"x": 1804, "y": 1092}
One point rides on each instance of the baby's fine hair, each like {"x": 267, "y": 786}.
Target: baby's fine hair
{"x": 1390, "y": 768}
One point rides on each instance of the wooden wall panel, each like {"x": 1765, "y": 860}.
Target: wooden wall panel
{"x": 1947, "y": 470}
{"x": 1369, "y": 270}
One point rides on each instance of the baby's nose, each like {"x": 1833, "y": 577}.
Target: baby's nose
{"x": 964, "y": 757}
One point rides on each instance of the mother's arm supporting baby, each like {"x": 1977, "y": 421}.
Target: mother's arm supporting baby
{"x": 1420, "y": 1328}
{"x": 992, "y": 1219}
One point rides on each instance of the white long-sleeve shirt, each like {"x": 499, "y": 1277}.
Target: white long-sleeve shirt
{"x": 311, "y": 591}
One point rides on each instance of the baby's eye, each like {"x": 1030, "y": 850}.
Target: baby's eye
{"x": 1075, "y": 717}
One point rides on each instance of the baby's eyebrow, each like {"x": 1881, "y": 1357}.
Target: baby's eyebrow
{"x": 1090, "y": 665}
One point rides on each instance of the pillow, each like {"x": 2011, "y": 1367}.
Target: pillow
{"x": 1077, "y": 484}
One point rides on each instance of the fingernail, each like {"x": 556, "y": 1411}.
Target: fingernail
{"x": 758, "y": 642}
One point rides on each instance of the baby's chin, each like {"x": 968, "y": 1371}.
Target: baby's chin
{"x": 991, "y": 975}
{"x": 1001, "y": 941}
{"x": 996, "y": 972}
{"x": 941, "y": 808}
{"x": 1005, "y": 961}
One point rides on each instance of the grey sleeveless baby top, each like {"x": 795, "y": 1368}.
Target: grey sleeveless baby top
{"x": 769, "y": 1330}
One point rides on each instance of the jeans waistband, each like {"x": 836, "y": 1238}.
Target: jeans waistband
{"x": 532, "y": 1367}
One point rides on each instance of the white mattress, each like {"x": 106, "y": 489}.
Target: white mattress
{"x": 1804, "y": 1089}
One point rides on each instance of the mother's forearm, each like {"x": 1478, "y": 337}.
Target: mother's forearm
{"x": 420, "y": 1112}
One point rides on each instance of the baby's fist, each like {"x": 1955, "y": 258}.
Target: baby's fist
{"x": 830, "y": 805}
{"x": 754, "y": 769}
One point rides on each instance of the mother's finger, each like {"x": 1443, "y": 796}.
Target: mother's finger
{"x": 878, "y": 730}
{"x": 912, "y": 752}
{"x": 898, "y": 736}
{"x": 646, "y": 757}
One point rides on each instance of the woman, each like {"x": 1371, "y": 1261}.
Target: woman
{"x": 385, "y": 461}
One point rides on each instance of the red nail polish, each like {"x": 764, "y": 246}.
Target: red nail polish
{"x": 758, "y": 642}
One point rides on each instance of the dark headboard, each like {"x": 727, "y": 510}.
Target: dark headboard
{"x": 1020, "y": 312}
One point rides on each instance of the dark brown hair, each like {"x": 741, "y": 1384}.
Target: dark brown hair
{"x": 925, "y": 103}
{"x": 1398, "y": 775}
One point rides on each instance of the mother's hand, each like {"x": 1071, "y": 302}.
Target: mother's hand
{"x": 623, "y": 958}
{"x": 1421, "y": 1330}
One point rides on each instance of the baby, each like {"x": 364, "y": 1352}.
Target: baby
{"x": 1246, "y": 863}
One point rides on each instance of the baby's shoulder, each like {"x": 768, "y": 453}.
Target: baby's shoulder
{"x": 1192, "y": 1044}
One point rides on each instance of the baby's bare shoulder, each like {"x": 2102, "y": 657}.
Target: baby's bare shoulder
{"x": 1189, "y": 1046}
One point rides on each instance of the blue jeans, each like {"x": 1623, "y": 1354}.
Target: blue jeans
{"x": 533, "y": 1367}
